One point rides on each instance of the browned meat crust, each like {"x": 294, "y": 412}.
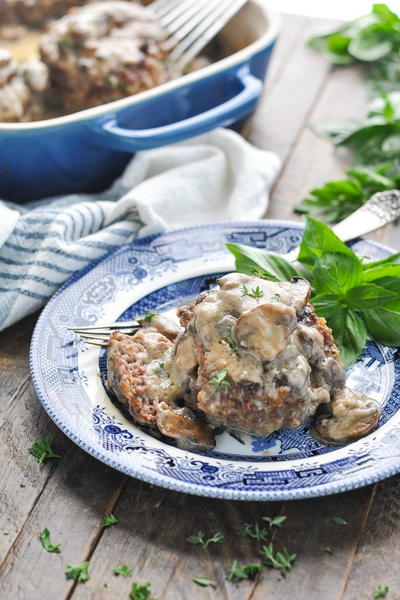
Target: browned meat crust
{"x": 103, "y": 52}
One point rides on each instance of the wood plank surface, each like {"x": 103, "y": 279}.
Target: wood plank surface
{"x": 71, "y": 495}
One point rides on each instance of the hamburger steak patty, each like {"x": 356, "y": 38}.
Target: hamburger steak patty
{"x": 251, "y": 356}
{"x": 103, "y": 52}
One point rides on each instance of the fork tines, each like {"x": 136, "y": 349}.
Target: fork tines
{"x": 99, "y": 335}
{"x": 191, "y": 24}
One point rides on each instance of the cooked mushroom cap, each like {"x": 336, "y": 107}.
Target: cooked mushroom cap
{"x": 182, "y": 425}
{"x": 353, "y": 415}
{"x": 265, "y": 329}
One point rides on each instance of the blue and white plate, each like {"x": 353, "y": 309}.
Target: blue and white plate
{"x": 160, "y": 273}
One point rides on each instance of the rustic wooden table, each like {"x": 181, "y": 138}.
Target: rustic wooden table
{"x": 71, "y": 495}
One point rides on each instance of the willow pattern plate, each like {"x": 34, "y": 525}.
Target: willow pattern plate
{"x": 160, "y": 273}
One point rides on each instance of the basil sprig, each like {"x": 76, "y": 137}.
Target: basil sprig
{"x": 370, "y": 38}
{"x": 336, "y": 200}
{"x": 358, "y": 299}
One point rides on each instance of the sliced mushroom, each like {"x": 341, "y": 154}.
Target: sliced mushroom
{"x": 265, "y": 329}
{"x": 182, "y": 425}
{"x": 353, "y": 415}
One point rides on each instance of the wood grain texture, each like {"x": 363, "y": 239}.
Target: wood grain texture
{"x": 70, "y": 496}
{"x": 377, "y": 559}
{"x": 313, "y": 160}
{"x": 284, "y": 108}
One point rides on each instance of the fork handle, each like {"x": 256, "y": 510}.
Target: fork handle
{"x": 226, "y": 113}
{"x": 382, "y": 208}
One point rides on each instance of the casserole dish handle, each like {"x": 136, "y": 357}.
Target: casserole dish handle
{"x": 226, "y": 113}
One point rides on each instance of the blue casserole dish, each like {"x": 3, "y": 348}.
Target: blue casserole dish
{"x": 85, "y": 151}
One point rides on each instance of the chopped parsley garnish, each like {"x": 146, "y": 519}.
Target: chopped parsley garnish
{"x": 66, "y": 43}
{"x": 328, "y": 550}
{"x": 339, "y": 521}
{"x": 148, "y": 316}
{"x": 44, "y": 537}
{"x": 111, "y": 81}
{"x": 140, "y": 592}
{"x": 6, "y": 532}
{"x": 42, "y": 450}
{"x": 381, "y": 591}
{"x": 123, "y": 570}
{"x": 231, "y": 343}
{"x": 237, "y": 572}
{"x": 198, "y": 539}
{"x": 253, "y": 293}
{"x": 259, "y": 273}
{"x": 219, "y": 378}
{"x": 203, "y": 581}
{"x": 280, "y": 560}
{"x": 275, "y": 521}
{"x": 254, "y": 531}
{"x": 79, "y": 572}
{"x": 109, "y": 520}
{"x": 159, "y": 370}
{"x": 217, "y": 538}
{"x": 22, "y": 485}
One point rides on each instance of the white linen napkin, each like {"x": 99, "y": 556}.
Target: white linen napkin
{"x": 217, "y": 176}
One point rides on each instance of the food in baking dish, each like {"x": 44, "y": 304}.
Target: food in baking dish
{"x": 22, "y": 88}
{"x": 35, "y": 12}
{"x": 94, "y": 54}
{"x": 103, "y": 52}
{"x": 251, "y": 356}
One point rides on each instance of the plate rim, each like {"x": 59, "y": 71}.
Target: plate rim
{"x": 144, "y": 474}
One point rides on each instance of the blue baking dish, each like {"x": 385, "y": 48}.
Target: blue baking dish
{"x": 85, "y": 151}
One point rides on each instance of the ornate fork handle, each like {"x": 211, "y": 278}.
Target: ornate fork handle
{"x": 381, "y": 209}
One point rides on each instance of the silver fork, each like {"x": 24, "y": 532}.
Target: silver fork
{"x": 191, "y": 24}
{"x": 381, "y": 209}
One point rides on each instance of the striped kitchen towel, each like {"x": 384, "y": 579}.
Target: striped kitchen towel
{"x": 214, "y": 177}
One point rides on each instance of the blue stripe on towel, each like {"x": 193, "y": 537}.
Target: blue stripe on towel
{"x": 38, "y": 263}
{"x": 36, "y": 278}
{"x": 25, "y": 293}
{"x": 47, "y": 249}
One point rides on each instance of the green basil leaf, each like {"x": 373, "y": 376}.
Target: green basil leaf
{"x": 318, "y": 42}
{"x": 365, "y": 133}
{"x": 368, "y": 296}
{"x": 338, "y": 43}
{"x": 384, "y": 13}
{"x": 318, "y": 238}
{"x": 392, "y": 258}
{"x": 391, "y": 145}
{"x": 369, "y": 47}
{"x": 378, "y": 272}
{"x": 335, "y": 129}
{"x": 337, "y": 273}
{"x": 392, "y": 284}
{"x": 326, "y": 304}
{"x": 349, "y": 332}
{"x": 252, "y": 260}
{"x": 383, "y": 325}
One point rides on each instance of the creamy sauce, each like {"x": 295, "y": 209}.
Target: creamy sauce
{"x": 25, "y": 48}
